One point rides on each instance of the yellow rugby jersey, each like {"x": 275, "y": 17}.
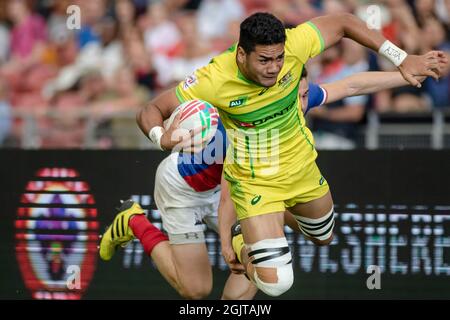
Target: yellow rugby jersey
{"x": 265, "y": 126}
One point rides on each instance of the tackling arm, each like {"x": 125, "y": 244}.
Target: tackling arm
{"x": 227, "y": 217}
{"x": 363, "y": 83}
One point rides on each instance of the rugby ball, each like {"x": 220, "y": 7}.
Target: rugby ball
{"x": 197, "y": 114}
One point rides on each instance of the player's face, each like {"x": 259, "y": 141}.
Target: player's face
{"x": 264, "y": 64}
{"x": 303, "y": 93}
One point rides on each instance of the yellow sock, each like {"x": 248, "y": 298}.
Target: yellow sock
{"x": 238, "y": 243}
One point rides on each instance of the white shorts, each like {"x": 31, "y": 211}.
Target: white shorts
{"x": 183, "y": 210}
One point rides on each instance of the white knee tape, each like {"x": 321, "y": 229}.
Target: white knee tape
{"x": 273, "y": 253}
{"x": 321, "y": 228}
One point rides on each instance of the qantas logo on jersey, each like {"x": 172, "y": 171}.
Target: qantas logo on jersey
{"x": 258, "y": 122}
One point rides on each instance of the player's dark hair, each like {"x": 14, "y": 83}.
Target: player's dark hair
{"x": 304, "y": 73}
{"x": 261, "y": 28}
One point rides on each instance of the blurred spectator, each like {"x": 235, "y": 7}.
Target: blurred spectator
{"x": 107, "y": 102}
{"x": 128, "y": 49}
{"x": 28, "y": 34}
{"x": 407, "y": 30}
{"x": 213, "y": 17}
{"x": 57, "y": 22}
{"x": 402, "y": 29}
{"x": 194, "y": 52}
{"x": 27, "y": 41}
{"x": 120, "y": 96}
{"x": 139, "y": 59}
{"x": 162, "y": 39}
{"x": 435, "y": 37}
{"x": 5, "y": 112}
{"x": 106, "y": 56}
{"x": 161, "y": 35}
{"x": 424, "y": 9}
{"x": 442, "y": 9}
{"x": 125, "y": 13}
{"x": 336, "y": 124}
{"x": 92, "y": 86}
{"x": 66, "y": 131}
{"x": 92, "y": 13}
{"x": 4, "y": 44}
{"x": 409, "y": 99}
{"x": 61, "y": 51}
{"x": 334, "y": 6}
{"x": 294, "y": 12}
{"x": 252, "y": 6}
{"x": 26, "y": 70}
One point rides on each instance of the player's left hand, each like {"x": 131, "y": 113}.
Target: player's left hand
{"x": 424, "y": 65}
{"x": 230, "y": 258}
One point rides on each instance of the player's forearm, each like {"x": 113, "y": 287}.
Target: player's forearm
{"x": 363, "y": 83}
{"x": 370, "y": 82}
{"x": 148, "y": 117}
{"x": 335, "y": 27}
{"x": 152, "y": 115}
{"x": 357, "y": 30}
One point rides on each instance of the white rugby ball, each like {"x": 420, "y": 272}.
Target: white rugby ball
{"x": 197, "y": 114}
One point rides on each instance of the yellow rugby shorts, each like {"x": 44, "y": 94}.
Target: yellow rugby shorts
{"x": 259, "y": 196}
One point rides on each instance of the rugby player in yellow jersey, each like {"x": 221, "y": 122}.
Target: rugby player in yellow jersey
{"x": 311, "y": 96}
{"x": 270, "y": 165}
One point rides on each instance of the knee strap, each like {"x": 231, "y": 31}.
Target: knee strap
{"x": 321, "y": 228}
{"x": 273, "y": 253}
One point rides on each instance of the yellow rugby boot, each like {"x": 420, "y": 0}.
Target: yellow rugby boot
{"x": 119, "y": 232}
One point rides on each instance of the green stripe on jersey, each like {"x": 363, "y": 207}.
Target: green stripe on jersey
{"x": 179, "y": 96}
{"x": 270, "y": 111}
{"x": 322, "y": 42}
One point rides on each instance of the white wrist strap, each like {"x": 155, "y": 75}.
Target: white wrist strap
{"x": 155, "y": 135}
{"x": 392, "y": 53}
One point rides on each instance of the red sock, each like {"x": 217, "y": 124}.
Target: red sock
{"x": 147, "y": 233}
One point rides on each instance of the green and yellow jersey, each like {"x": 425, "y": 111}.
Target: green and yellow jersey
{"x": 265, "y": 126}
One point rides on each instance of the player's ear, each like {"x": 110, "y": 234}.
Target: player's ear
{"x": 241, "y": 55}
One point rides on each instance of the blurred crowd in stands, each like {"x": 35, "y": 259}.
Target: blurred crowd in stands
{"x": 126, "y": 51}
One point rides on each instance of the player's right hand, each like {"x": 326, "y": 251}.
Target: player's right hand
{"x": 231, "y": 260}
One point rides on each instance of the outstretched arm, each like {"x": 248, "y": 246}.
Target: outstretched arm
{"x": 363, "y": 83}
{"x": 335, "y": 27}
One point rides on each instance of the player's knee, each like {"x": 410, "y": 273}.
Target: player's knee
{"x": 319, "y": 231}
{"x": 196, "y": 292}
{"x": 272, "y": 262}
{"x": 285, "y": 279}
